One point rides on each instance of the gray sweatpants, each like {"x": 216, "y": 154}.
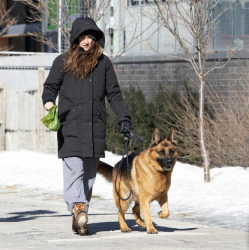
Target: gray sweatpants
{"x": 79, "y": 175}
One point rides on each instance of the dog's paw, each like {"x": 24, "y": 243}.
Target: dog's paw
{"x": 152, "y": 231}
{"x": 126, "y": 230}
{"x": 142, "y": 226}
{"x": 140, "y": 223}
{"x": 163, "y": 215}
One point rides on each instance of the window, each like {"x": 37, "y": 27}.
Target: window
{"x": 232, "y": 29}
{"x": 141, "y": 2}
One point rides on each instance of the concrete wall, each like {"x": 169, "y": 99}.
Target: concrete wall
{"x": 20, "y": 73}
{"x": 22, "y": 78}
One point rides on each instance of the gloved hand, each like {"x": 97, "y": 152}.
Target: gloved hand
{"x": 125, "y": 123}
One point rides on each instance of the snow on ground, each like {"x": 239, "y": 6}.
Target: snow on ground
{"x": 222, "y": 202}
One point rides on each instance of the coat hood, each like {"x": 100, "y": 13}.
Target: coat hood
{"x": 82, "y": 24}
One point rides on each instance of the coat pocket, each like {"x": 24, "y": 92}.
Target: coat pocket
{"x": 99, "y": 111}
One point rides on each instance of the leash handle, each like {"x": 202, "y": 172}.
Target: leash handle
{"x": 130, "y": 134}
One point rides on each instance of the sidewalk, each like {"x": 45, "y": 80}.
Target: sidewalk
{"x": 30, "y": 223}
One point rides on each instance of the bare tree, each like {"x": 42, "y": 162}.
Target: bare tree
{"x": 226, "y": 121}
{"x": 199, "y": 23}
{"x": 5, "y": 21}
{"x": 58, "y": 16}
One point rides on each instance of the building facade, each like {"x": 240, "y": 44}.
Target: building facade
{"x": 131, "y": 27}
{"x": 17, "y": 37}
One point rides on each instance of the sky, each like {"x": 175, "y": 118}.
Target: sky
{"x": 223, "y": 202}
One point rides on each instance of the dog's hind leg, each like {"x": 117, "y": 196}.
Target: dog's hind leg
{"x": 163, "y": 202}
{"x": 136, "y": 212}
{"x": 120, "y": 188}
{"x": 123, "y": 207}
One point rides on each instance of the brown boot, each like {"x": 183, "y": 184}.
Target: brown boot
{"x": 81, "y": 218}
{"x": 74, "y": 228}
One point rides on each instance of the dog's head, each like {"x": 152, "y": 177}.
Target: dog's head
{"x": 164, "y": 151}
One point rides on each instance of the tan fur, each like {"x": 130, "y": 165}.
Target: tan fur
{"x": 149, "y": 181}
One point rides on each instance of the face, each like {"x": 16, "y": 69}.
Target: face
{"x": 166, "y": 154}
{"x": 164, "y": 151}
{"x": 85, "y": 42}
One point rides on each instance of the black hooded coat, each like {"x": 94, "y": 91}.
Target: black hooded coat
{"x": 81, "y": 107}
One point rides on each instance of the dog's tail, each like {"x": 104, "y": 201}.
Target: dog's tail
{"x": 105, "y": 170}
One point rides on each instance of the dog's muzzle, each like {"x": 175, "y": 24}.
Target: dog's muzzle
{"x": 166, "y": 164}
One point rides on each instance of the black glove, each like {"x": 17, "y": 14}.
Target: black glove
{"x": 125, "y": 124}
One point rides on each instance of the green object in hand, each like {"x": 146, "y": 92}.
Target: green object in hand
{"x": 51, "y": 120}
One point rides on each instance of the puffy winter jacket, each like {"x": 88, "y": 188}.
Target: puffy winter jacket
{"x": 81, "y": 107}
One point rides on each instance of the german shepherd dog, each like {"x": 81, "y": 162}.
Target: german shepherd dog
{"x": 147, "y": 176}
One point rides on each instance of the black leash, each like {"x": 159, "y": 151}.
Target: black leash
{"x": 128, "y": 135}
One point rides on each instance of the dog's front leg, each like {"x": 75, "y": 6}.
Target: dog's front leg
{"x": 145, "y": 207}
{"x": 163, "y": 202}
{"x": 136, "y": 212}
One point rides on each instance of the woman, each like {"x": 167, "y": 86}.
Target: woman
{"x": 83, "y": 77}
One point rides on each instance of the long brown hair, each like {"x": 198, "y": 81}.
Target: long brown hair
{"x": 82, "y": 63}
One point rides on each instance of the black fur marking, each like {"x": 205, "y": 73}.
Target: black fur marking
{"x": 125, "y": 170}
{"x": 166, "y": 164}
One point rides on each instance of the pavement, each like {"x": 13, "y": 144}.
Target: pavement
{"x": 41, "y": 221}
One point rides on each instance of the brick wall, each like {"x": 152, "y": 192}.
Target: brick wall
{"x": 149, "y": 72}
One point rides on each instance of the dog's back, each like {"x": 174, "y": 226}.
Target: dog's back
{"x": 125, "y": 169}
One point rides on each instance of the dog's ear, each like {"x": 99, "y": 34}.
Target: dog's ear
{"x": 156, "y": 137}
{"x": 172, "y": 136}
